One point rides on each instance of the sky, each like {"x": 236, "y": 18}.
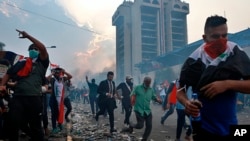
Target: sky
{"x": 82, "y": 30}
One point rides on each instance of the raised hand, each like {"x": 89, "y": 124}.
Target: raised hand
{"x": 22, "y": 34}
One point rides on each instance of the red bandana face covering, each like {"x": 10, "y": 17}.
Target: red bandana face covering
{"x": 216, "y": 48}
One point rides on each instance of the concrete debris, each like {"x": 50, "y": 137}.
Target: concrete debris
{"x": 83, "y": 127}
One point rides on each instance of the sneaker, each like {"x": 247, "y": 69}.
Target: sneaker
{"x": 97, "y": 123}
{"x": 127, "y": 130}
{"x": 162, "y": 121}
{"x": 60, "y": 126}
{"x": 113, "y": 130}
{"x": 131, "y": 130}
{"x": 126, "y": 125}
{"x": 67, "y": 119}
{"x": 96, "y": 118}
{"x": 55, "y": 131}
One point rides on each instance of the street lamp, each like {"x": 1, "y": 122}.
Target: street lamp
{"x": 51, "y": 47}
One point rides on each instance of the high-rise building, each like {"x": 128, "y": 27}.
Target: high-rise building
{"x": 146, "y": 29}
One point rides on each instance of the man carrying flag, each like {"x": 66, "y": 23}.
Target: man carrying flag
{"x": 26, "y": 103}
{"x": 216, "y": 71}
{"x": 58, "y": 78}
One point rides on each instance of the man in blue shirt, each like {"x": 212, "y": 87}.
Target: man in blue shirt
{"x": 216, "y": 71}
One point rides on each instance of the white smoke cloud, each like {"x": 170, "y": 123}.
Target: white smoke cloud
{"x": 96, "y": 16}
{"x": 96, "y": 55}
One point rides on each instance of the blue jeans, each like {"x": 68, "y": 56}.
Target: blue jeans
{"x": 93, "y": 105}
{"x": 162, "y": 99}
{"x": 168, "y": 113}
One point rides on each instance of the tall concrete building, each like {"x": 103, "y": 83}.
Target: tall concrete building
{"x": 146, "y": 29}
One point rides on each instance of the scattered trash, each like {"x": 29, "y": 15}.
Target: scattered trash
{"x": 82, "y": 127}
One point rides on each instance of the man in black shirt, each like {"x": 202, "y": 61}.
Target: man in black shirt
{"x": 93, "y": 95}
{"x": 124, "y": 90}
{"x": 26, "y": 103}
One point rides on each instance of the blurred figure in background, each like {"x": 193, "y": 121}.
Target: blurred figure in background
{"x": 93, "y": 95}
{"x": 85, "y": 95}
{"x": 170, "y": 101}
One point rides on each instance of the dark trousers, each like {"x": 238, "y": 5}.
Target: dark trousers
{"x": 140, "y": 123}
{"x": 68, "y": 105}
{"x": 181, "y": 122}
{"x": 107, "y": 105}
{"x": 26, "y": 108}
{"x": 168, "y": 113}
{"x": 85, "y": 98}
{"x": 93, "y": 104}
{"x": 45, "y": 112}
{"x": 128, "y": 109}
{"x": 54, "y": 111}
{"x": 5, "y": 126}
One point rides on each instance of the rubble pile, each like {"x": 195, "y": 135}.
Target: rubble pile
{"x": 83, "y": 127}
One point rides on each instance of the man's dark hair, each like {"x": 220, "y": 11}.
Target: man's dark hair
{"x": 110, "y": 73}
{"x": 32, "y": 46}
{"x": 93, "y": 80}
{"x": 56, "y": 70}
{"x": 214, "y": 21}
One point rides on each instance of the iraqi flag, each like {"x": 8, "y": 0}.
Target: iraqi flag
{"x": 61, "y": 109}
{"x": 219, "y": 112}
{"x": 12, "y": 57}
{"x": 199, "y": 69}
{"x": 53, "y": 66}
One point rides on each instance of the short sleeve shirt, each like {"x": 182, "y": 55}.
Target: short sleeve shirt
{"x": 143, "y": 98}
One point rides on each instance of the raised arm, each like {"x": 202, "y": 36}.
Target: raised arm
{"x": 68, "y": 75}
{"x": 40, "y": 46}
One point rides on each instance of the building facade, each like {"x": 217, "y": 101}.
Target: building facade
{"x": 146, "y": 29}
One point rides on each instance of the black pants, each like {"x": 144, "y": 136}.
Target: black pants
{"x": 180, "y": 123}
{"x": 54, "y": 110}
{"x": 107, "y": 105}
{"x": 140, "y": 123}
{"x": 5, "y": 126}
{"x": 67, "y": 104}
{"x": 85, "y": 98}
{"x": 26, "y": 108}
{"x": 128, "y": 109}
{"x": 93, "y": 104}
{"x": 45, "y": 112}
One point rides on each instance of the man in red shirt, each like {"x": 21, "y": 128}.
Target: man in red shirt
{"x": 170, "y": 101}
